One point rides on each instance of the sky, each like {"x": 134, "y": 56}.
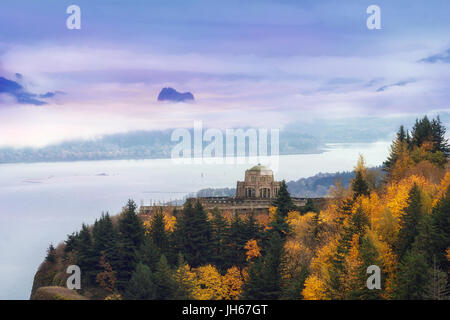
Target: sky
{"x": 258, "y": 63}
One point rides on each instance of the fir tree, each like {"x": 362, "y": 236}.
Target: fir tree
{"x": 440, "y": 236}
{"x": 440, "y": 143}
{"x": 149, "y": 254}
{"x": 193, "y": 235}
{"x": 131, "y": 237}
{"x": 409, "y": 222}
{"x": 141, "y": 285}
{"x": 413, "y": 276}
{"x": 360, "y": 186}
{"x": 105, "y": 240}
{"x": 86, "y": 259}
{"x": 219, "y": 239}
{"x": 283, "y": 201}
{"x": 51, "y": 254}
{"x": 158, "y": 233}
{"x": 164, "y": 281}
{"x": 265, "y": 275}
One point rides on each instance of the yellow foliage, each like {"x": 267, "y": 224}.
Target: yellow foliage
{"x": 253, "y": 250}
{"x": 315, "y": 289}
{"x": 208, "y": 284}
{"x": 169, "y": 222}
{"x": 272, "y": 212}
{"x": 232, "y": 283}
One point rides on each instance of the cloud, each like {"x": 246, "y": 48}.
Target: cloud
{"x": 22, "y": 96}
{"x": 440, "y": 57}
{"x": 397, "y": 84}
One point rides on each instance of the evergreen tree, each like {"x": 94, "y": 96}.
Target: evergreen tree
{"x": 396, "y": 149}
{"x": 440, "y": 220}
{"x": 422, "y": 132}
{"x": 193, "y": 235}
{"x": 237, "y": 238}
{"x": 413, "y": 276}
{"x": 158, "y": 233}
{"x": 409, "y": 222}
{"x": 309, "y": 206}
{"x": 359, "y": 185}
{"x": 141, "y": 285}
{"x": 164, "y": 281}
{"x": 131, "y": 237}
{"x": 51, "y": 254}
{"x": 149, "y": 254}
{"x": 105, "y": 240}
{"x": 283, "y": 201}
{"x": 265, "y": 275}
{"x": 219, "y": 239}
{"x": 86, "y": 259}
{"x": 440, "y": 143}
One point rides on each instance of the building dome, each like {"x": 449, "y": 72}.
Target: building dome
{"x": 261, "y": 169}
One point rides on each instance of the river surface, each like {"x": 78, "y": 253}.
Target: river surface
{"x": 40, "y": 203}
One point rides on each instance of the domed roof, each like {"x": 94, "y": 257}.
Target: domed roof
{"x": 262, "y": 169}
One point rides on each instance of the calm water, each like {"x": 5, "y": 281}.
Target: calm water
{"x": 41, "y": 203}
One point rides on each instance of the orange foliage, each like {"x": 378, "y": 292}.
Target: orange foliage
{"x": 253, "y": 250}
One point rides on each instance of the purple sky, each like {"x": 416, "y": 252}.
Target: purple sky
{"x": 259, "y": 63}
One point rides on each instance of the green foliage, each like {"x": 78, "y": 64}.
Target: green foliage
{"x": 413, "y": 276}
{"x": 265, "y": 275}
{"x": 158, "y": 233}
{"x": 440, "y": 220}
{"x": 359, "y": 185}
{"x": 219, "y": 239}
{"x": 192, "y": 235}
{"x": 283, "y": 201}
{"x": 51, "y": 254}
{"x": 141, "y": 285}
{"x": 105, "y": 240}
{"x": 131, "y": 237}
{"x": 166, "y": 287}
{"x": 409, "y": 222}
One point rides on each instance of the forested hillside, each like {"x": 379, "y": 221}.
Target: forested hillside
{"x": 400, "y": 224}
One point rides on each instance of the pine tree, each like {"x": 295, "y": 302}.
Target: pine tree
{"x": 265, "y": 275}
{"x": 86, "y": 259}
{"x": 283, "y": 201}
{"x": 360, "y": 186}
{"x": 219, "y": 238}
{"x": 193, "y": 235}
{"x": 164, "y": 281}
{"x": 309, "y": 206}
{"x": 158, "y": 233}
{"x": 409, "y": 222}
{"x": 396, "y": 149}
{"x": 440, "y": 143}
{"x": 141, "y": 285}
{"x": 149, "y": 254}
{"x": 51, "y": 254}
{"x": 422, "y": 132}
{"x": 131, "y": 237}
{"x": 105, "y": 240}
{"x": 440, "y": 220}
{"x": 237, "y": 238}
{"x": 413, "y": 276}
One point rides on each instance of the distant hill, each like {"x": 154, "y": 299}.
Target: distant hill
{"x": 170, "y": 94}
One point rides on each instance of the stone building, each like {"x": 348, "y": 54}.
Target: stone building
{"x": 255, "y": 194}
{"x": 259, "y": 183}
